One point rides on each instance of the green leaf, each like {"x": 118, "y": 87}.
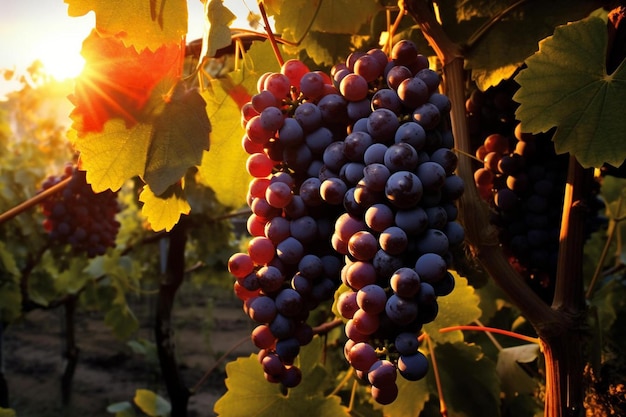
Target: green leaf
{"x": 499, "y": 51}
{"x": 458, "y": 308}
{"x": 121, "y": 320}
{"x": 7, "y": 261}
{"x": 218, "y": 36}
{"x": 163, "y": 211}
{"x": 470, "y": 384}
{"x": 514, "y": 379}
{"x": 566, "y": 85}
{"x": 74, "y": 278}
{"x": 139, "y": 23}
{"x": 112, "y": 156}
{"x": 179, "y": 137}
{"x": 250, "y": 395}
{"x": 151, "y": 403}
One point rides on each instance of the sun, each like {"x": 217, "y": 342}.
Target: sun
{"x": 60, "y": 55}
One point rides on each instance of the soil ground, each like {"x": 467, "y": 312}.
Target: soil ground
{"x": 108, "y": 370}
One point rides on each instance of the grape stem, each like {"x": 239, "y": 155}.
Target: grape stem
{"x": 324, "y": 328}
{"x": 33, "y": 201}
{"x": 491, "y": 330}
{"x": 270, "y": 34}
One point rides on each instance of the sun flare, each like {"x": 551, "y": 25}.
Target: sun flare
{"x": 60, "y": 56}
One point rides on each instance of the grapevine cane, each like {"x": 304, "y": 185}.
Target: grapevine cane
{"x": 33, "y": 201}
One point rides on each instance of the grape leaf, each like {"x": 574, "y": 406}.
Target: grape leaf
{"x": 164, "y": 210}
{"x": 514, "y": 379}
{"x": 468, "y": 378}
{"x": 138, "y": 23}
{"x": 112, "y": 156}
{"x": 457, "y": 308}
{"x": 121, "y": 320}
{"x": 118, "y": 81}
{"x": 250, "y": 395}
{"x": 7, "y": 412}
{"x": 151, "y": 403}
{"x": 223, "y": 169}
{"x": 180, "y": 135}
{"x": 218, "y": 19}
{"x": 499, "y": 51}
{"x": 566, "y": 85}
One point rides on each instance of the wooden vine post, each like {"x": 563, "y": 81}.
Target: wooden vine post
{"x": 561, "y": 327}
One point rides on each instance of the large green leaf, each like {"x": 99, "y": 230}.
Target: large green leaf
{"x": 250, "y": 395}
{"x": 458, "y": 308}
{"x": 566, "y": 85}
{"x": 139, "y": 23}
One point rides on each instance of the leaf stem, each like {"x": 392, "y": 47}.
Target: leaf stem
{"x": 442, "y": 403}
{"x": 490, "y": 336}
{"x": 491, "y": 330}
{"x": 490, "y": 23}
{"x": 605, "y": 250}
{"x": 34, "y": 200}
{"x": 342, "y": 383}
{"x": 221, "y": 359}
{"x": 270, "y": 34}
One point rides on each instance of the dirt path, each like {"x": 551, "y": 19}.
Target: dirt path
{"x": 108, "y": 370}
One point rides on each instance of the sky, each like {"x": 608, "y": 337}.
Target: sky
{"x": 41, "y": 30}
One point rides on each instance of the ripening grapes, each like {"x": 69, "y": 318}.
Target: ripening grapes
{"x": 353, "y": 188}
{"x": 523, "y": 179}
{"x": 79, "y": 217}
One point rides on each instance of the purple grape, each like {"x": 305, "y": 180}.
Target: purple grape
{"x": 413, "y": 367}
{"x": 382, "y": 125}
{"x": 431, "y": 267}
{"x": 371, "y": 299}
{"x": 406, "y": 343}
{"x": 400, "y": 311}
{"x": 411, "y": 133}
{"x": 405, "y": 282}
{"x": 403, "y": 189}
{"x": 401, "y": 157}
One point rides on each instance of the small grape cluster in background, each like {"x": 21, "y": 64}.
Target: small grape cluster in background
{"x": 79, "y": 217}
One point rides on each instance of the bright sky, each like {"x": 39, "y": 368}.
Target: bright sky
{"x": 41, "y": 29}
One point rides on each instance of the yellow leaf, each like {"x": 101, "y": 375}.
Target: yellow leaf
{"x": 112, "y": 156}
{"x": 139, "y": 23}
{"x": 163, "y": 211}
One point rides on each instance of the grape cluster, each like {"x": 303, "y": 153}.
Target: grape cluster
{"x": 524, "y": 180}
{"x": 79, "y": 217}
{"x": 353, "y": 184}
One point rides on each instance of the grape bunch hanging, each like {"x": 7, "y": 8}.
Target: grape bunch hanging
{"x": 79, "y": 217}
{"x": 523, "y": 180}
{"x": 353, "y": 188}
